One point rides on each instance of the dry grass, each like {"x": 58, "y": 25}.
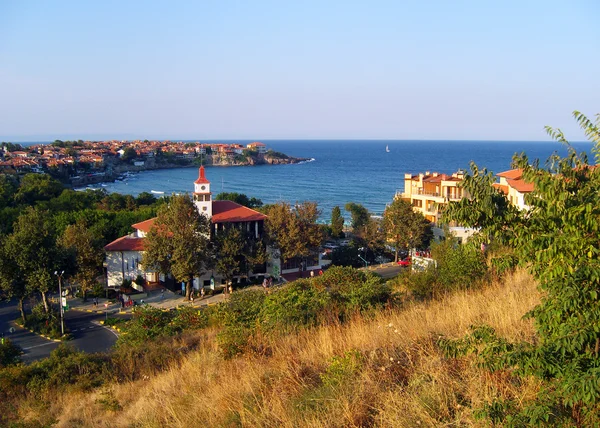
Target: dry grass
{"x": 403, "y": 380}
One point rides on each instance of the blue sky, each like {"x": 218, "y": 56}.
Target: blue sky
{"x": 312, "y": 69}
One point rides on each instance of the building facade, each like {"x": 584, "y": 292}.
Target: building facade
{"x": 124, "y": 255}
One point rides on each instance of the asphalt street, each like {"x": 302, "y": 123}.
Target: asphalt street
{"x": 389, "y": 271}
{"x": 88, "y": 334}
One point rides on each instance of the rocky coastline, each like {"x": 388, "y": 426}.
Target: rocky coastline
{"x": 116, "y": 170}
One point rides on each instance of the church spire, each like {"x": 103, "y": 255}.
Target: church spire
{"x": 202, "y": 194}
{"x": 201, "y": 177}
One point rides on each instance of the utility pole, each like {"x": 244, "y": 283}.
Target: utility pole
{"x": 60, "y": 301}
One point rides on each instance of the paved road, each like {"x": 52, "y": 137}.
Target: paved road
{"x": 389, "y": 271}
{"x": 88, "y": 334}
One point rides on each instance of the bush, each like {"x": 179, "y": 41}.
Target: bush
{"x": 299, "y": 304}
{"x": 10, "y": 353}
{"x": 148, "y": 323}
{"x": 189, "y": 318}
{"x": 354, "y": 290}
{"x": 66, "y": 367}
{"x": 42, "y": 322}
{"x": 458, "y": 267}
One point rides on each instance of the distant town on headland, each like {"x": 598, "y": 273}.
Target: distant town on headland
{"x": 86, "y": 162}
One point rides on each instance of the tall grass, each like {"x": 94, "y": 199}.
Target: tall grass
{"x": 384, "y": 371}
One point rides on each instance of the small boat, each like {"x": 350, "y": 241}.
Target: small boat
{"x": 387, "y": 149}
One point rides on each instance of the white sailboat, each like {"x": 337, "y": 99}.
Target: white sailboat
{"x": 387, "y": 149}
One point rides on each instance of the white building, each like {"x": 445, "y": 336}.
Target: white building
{"x": 514, "y": 187}
{"x": 124, "y": 255}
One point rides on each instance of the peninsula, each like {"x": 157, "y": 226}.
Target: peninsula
{"x": 86, "y": 162}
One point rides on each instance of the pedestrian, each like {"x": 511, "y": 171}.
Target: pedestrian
{"x": 95, "y": 302}
{"x": 162, "y": 294}
{"x": 202, "y": 293}
{"x": 312, "y": 273}
{"x": 265, "y": 283}
{"x": 320, "y": 272}
{"x": 230, "y": 288}
{"x": 192, "y": 298}
{"x": 270, "y": 283}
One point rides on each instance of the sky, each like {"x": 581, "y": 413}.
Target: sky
{"x": 436, "y": 69}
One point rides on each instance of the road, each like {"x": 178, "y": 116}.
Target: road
{"x": 88, "y": 334}
{"x": 389, "y": 271}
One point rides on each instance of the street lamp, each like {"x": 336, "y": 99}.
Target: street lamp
{"x": 60, "y": 297}
{"x": 363, "y": 259}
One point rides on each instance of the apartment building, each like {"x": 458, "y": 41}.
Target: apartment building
{"x": 428, "y": 192}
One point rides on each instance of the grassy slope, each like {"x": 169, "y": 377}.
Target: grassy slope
{"x": 398, "y": 379}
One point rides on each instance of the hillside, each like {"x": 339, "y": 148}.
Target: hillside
{"x": 384, "y": 370}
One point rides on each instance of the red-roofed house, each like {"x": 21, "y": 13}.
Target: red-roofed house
{"x": 259, "y": 147}
{"x": 123, "y": 255}
{"x": 428, "y": 193}
{"x": 512, "y": 184}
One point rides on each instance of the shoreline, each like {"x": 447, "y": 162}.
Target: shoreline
{"x": 121, "y": 172}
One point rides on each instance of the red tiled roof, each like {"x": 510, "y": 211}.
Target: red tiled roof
{"x": 126, "y": 243}
{"x": 503, "y": 189}
{"x": 144, "y": 226}
{"x": 521, "y": 185}
{"x": 512, "y": 174}
{"x": 229, "y": 211}
{"x": 201, "y": 177}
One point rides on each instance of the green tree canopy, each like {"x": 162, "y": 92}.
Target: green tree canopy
{"x": 360, "y": 217}
{"x": 558, "y": 239}
{"x": 128, "y": 154}
{"x": 337, "y": 222}
{"x": 8, "y": 189}
{"x": 178, "y": 243}
{"x": 37, "y": 187}
{"x": 79, "y": 240}
{"x": 32, "y": 247}
{"x": 404, "y": 227}
{"x": 230, "y": 252}
{"x": 293, "y": 229}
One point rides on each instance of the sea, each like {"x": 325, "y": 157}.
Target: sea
{"x": 367, "y": 172}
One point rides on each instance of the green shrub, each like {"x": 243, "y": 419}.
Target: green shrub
{"x": 342, "y": 369}
{"x": 66, "y": 367}
{"x": 10, "y": 353}
{"x": 457, "y": 267}
{"x": 233, "y": 340}
{"x": 148, "y": 323}
{"x": 300, "y": 304}
{"x": 42, "y": 322}
{"x": 353, "y": 290}
{"x": 190, "y": 318}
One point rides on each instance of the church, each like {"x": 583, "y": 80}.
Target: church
{"x": 124, "y": 255}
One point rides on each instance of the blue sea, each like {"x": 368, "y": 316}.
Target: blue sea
{"x": 343, "y": 171}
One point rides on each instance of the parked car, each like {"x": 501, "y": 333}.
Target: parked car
{"x": 405, "y": 261}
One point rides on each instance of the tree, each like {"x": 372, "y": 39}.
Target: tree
{"x": 37, "y": 187}
{"x": 240, "y": 198}
{"x": 128, "y": 154}
{"x": 360, "y": 216}
{"x": 229, "y": 249}
{"x": 558, "y": 240}
{"x": 294, "y": 230}
{"x": 79, "y": 240}
{"x": 32, "y": 247}
{"x": 12, "y": 278}
{"x": 404, "y": 227}
{"x": 487, "y": 209}
{"x": 337, "y": 222}
{"x": 178, "y": 243}
{"x": 8, "y": 188}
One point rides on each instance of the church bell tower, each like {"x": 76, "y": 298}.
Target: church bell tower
{"x": 202, "y": 194}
